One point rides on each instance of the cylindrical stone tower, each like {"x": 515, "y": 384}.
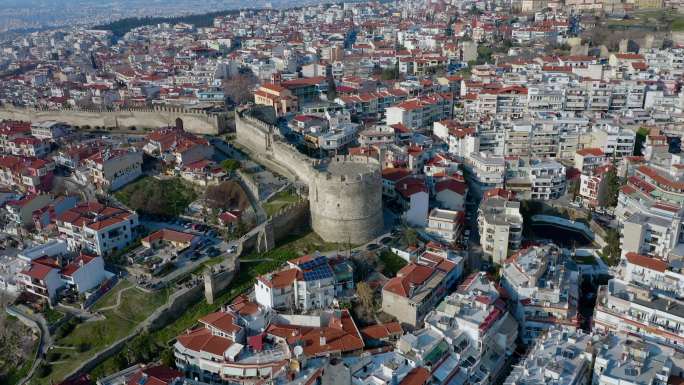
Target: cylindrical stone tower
{"x": 345, "y": 197}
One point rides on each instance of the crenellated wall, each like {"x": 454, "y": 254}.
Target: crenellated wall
{"x": 345, "y": 194}
{"x": 197, "y": 122}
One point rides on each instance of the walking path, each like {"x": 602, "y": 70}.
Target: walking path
{"x": 118, "y": 300}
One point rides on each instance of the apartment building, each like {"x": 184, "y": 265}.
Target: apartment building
{"x": 593, "y": 186}
{"x": 628, "y": 359}
{"x": 418, "y": 287}
{"x": 176, "y": 146}
{"x": 587, "y": 159}
{"x": 480, "y": 329}
{"x": 559, "y": 357}
{"x": 309, "y": 282}
{"x": 49, "y": 130}
{"x": 534, "y": 178}
{"x": 613, "y": 140}
{"x": 500, "y": 224}
{"x": 643, "y": 300}
{"x": 112, "y": 169}
{"x": 421, "y": 113}
{"x": 544, "y": 288}
{"x": 280, "y": 98}
{"x": 484, "y": 171}
{"x": 95, "y": 228}
{"x": 27, "y": 147}
{"x": 445, "y": 225}
{"x": 27, "y": 174}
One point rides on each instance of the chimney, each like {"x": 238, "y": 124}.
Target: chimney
{"x": 322, "y": 340}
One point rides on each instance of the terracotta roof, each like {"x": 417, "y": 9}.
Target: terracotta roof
{"x": 169, "y": 235}
{"x": 452, "y": 185}
{"x": 156, "y": 375}
{"x": 417, "y": 376}
{"x": 280, "y": 279}
{"x": 410, "y": 275}
{"x": 222, "y": 321}
{"x": 201, "y": 340}
{"x": 73, "y": 267}
{"x": 646, "y": 262}
{"x": 382, "y": 331}
{"x": 394, "y": 174}
{"x": 590, "y": 151}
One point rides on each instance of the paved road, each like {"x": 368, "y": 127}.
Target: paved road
{"x": 45, "y": 340}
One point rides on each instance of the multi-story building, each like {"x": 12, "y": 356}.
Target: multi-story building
{"x": 445, "y": 225}
{"x": 110, "y": 170}
{"x": 421, "y": 112}
{"x": 27, "y": 174}
{"x": 544, "y": 288}
{"x": 559, "y": 357}
{"x": 476, "y": 323}
{"x": 280, "y": 98}
{"x": 643, "y": 299}
{"x": 419, "y": 286}
{"x": 534, "y": 178}
{"x": 593, "y": 186}
{"x": 484, "y": 171}
{"x": 500, "y": 224}
{"x": 176, "y": 146}
{"x": 308, "y": 283}
{"x": 613, "y": 140}
{"x": 28, "y": 147}
{"x": 49, "y": 130}
{"x": 587, "y": 159}
{"x": 627, "y": 359}
{"x": 95, "y": 228}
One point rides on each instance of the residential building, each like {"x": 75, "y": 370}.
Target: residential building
{"x": 500, "y": 224}
{"x": 110, "y": 170}
{"x": 49, "y": 130}
{"x": 544, "y": 285}
{"x": 95, "y": 228}
{"x": 445, "y": 225}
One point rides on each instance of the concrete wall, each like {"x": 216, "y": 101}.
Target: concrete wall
{"x": 347, "y": 209}
{"x": 198, "y": 122}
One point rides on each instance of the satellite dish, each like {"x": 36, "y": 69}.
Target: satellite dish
{"x": 298, "y": 351}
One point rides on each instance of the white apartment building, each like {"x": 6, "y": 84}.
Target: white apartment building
{"x": 559, "y": 357}
{"x": 613, "y": 140}
{"x": 445, "y": 225}
{"x": 421, "y": 112}
{"x": 535, "y": 178}
{"x": 544, "y": 289}
{"x": 95, "y": 228}
{"x": 643, "y": 300}
{"x": 111, "y": 170}
{"x": 500, "y": 224}
{"x": 484, "y": 171}
{"x": 626, "y": 359}
{"x": 308, "y": 283}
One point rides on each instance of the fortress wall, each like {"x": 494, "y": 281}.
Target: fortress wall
{"x": 262, "y": 140}
{"x": 197, "y": 122}
{"x": 347, "y": 208}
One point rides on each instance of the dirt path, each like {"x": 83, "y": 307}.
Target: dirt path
{"x": 118, "y": 300}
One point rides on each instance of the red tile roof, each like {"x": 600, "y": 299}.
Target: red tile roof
{"x": 646, "y": 262}
{"x": 156, "y": 375}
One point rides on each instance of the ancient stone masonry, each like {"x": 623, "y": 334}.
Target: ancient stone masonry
{"x": 195, "y": 121}
{"x": 345, "y": 197}
{"x": 345, "y": 193}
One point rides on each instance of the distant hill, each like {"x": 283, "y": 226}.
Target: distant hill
{"x": 121, "y": 27}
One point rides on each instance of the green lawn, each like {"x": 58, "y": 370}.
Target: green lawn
{"x": 87, "y": 338}
{"x": 280, "y": 201}
{"x": 52, "y": 316}
{"x": 252, "y": 266}
{"x": 149, "y": 195}
{"x": 391, "y": 263}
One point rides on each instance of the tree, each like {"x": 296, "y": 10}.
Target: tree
{"x": 225, "y": 196}
{"x": 611, "y": 252}
{"x": 239, "y": 87}
{"x": 365, "y": 295}
{"x": 167, "y": 358}
{"x": 230, "y": 165}
{"x": 639, "y": 141}
{"x": 608, "y": 196}
{"x": 411, "y": 236}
